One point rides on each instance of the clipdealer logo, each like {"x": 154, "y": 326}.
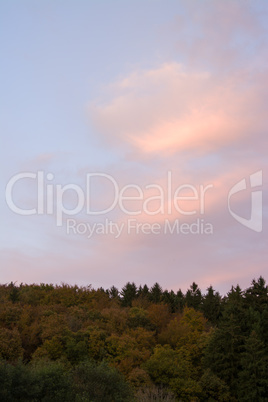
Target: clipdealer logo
{"x": 255, "y": 220}
{"x": 51, "y": 199}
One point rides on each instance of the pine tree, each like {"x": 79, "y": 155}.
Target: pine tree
{"x": 227, "y": 343}
{"x": 156, "y": 293}
{"x": 193, "y": 296}
{"x": 170, "y": 299}
{"x": 253, "y": 380}
{"x": 113, "y": 292}
{"x": 212, "y": 305}
{"x": 128, "y": 294}
{"x": 256, "y": 302}
{"x": 180, "y": 300}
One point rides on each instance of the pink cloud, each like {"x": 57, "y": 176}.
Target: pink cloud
{"x": 169, "y": 110}
{"x": 221, "y": 35}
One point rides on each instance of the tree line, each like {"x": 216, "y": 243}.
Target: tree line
{"x": 71, "y": 343}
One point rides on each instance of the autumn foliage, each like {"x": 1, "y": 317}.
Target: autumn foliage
{"x": 70, "y": 343}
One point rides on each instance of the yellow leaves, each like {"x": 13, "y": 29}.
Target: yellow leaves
{"x": 10, "y": 344}
{"x": 9, "y": 314}
{"x": 96, "y": 343}
{"x": 51, "y": 349}
{"x": 143, "y": 338}
{"x": 138, "y": 317}
{"x": 138, "y": 377}
{"x": 184, "y": 330}
{"x": 172, "y": 333}
{"x": 120, "y": 347}
{"x": 159, "y": 315}
{"x": 116, "y": 319}
{"x": 175, "y": 370}
{"x": 53, "y": 325}
{"x": 163, "y": 364}
{"x": 194, "y": 319}
{"x": 131, "y": 349}
{"x": 100, "y": 300}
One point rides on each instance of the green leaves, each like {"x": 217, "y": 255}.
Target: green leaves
{"x": 253, "y": 378}
{"x": 99, "y": 383}
{"x": 53, "y": 382}
{"x": 166, "y": 345}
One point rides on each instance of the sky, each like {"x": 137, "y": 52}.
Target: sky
{"x": 134, "y": 142}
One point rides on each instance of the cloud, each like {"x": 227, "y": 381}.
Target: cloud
{"x": 222, "y": 36}
{"x": 169, "y": 109}
{"x": 199, "y": 113}
{"x": 213, "y": 98}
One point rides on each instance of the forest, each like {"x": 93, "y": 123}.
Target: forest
{"x": 70, "y": 343}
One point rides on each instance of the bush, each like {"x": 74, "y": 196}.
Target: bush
{"x": 155, "y": 394}
{"x": 99, "y": 383}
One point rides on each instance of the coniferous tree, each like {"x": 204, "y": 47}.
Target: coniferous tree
{"x": 170, "y": 299}
{"x": 143, "y": 291}
{"x": 113, "y": 292}
{"x": 253, "y": 377}
{"x": 227, "y": 343}
{"x": 180, "y": 300}
{"x": 156, "y": 293}
{"x": 193, "y": 297}
{"x": 211, "y": 306}
{"x": 221, "y": 360}
{"x": 256, "y": 302}
{"x": 14, "y": 292}
{"x": 128, "y": 294}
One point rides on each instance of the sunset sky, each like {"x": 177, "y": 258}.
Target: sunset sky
{"x": 142, "y": 91}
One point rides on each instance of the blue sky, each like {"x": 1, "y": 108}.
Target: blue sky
{"x": 133, "y": 89}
